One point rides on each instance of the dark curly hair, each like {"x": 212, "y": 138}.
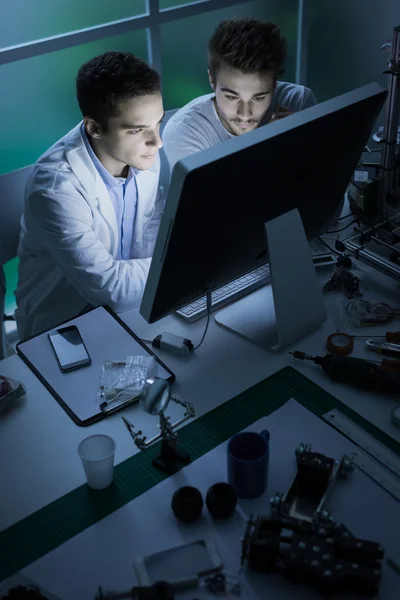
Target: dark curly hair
{"x": 248, "y": 45}
{"x": 105, "y": 81}
{"x": 24, "y": 593}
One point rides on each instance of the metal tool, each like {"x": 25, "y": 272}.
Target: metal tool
{"x": 329, "y": 558}
{"x": 154, "y": 398}
{"x": 343, "y": 277}
{"x": 377, "y": 473}
{"x": 384, "y": 348}
{"x": 204, "y": 586}
{"x": 364, "y": 440}
{"x": 365, "y": 374}
{"x": 387, "y": 196}
{"x": 390, "y": 336}
{"x": 305, "y": 499}
{"x": 389, "y": 185}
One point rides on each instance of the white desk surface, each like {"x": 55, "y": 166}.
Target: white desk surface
{"x": 38, "y": 441}
{"x": 146, "y": 525}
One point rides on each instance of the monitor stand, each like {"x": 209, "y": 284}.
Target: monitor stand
{"x": 293, "y": 305}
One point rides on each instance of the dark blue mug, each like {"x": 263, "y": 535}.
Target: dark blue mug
{"x": 248, "y": 457}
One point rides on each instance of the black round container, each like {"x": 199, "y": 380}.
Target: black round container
{"x": 221, "y": 500}
{"x": 187, "y": 504}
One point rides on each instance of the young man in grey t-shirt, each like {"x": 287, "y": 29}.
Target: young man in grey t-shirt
{"x": 245, "y": 59}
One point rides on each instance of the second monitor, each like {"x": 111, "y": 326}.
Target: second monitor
{"x": 221, "y": 200}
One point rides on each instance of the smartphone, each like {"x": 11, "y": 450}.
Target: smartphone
{"x": 69, "y": 348}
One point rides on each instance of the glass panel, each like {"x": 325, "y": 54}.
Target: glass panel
{"x": 184, "y": 46}
{"x": 40, "y": 104}
{"x": 338, "y": 64}
{"x": 44, "y": 18}
{"x": 172, "y": 3}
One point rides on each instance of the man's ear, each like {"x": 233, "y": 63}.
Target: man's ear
{"x": 92, "y": 128}
{"x": 210, "y": 79}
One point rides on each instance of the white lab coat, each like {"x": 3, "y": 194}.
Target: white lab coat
{"x": 69, "y": 239}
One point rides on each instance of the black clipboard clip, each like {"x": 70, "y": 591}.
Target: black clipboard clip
{"x": 108, "y": 407}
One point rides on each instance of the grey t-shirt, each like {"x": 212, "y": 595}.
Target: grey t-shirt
{"x": 196, "y": 126}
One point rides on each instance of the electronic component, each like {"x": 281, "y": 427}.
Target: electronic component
{"x": 69, "y": 348}
{"x": 363, "y": 196}
{"x": 172, "y": 343}
{"x": 343, "y": 277}
{"x": 329, "y": 558}
{"x": 307, "y": 495}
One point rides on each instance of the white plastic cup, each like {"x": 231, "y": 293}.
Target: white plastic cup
{"x": 97, "y": 456}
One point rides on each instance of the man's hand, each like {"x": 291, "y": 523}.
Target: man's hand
{"x": 280, "y": 113}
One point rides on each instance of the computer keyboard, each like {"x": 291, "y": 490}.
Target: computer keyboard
{"x": 245, "y": 285}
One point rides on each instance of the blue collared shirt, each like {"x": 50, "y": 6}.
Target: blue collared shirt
{"x": 124, "y": 196}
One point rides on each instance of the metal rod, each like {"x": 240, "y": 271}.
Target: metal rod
{"x": 382, "y": 243}
{"x": 392, "y": 118}
{"x": 302, "y": 41}
{"x": 154, "y": 37}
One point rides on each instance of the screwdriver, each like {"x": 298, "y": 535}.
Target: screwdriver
{"x": 362, "y": 373}
{"x": 390, "y": 336}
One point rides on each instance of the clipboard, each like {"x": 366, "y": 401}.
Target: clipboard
{"x": 106, "y": 337}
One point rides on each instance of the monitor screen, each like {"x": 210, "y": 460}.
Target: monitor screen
{"x": 212, "y": 230}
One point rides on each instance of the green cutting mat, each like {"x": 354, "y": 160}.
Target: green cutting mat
{"x": 44, "y": 530}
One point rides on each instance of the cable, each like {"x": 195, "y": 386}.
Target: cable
{"x": 329, "y": 247}
{"x": 345, "y": 217}
{"x": 343, "y": 228}
{"x": 209, "y": 305}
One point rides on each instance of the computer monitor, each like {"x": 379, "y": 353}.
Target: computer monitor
{"x": 222, "y": 200}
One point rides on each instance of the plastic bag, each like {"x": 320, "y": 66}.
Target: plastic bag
{"x": 10, "y": 390}
{"x": 123, "y": 380}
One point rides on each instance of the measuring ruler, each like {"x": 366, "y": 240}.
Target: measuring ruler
{"x": 364, "y": 440}
{"x": 376, "y": 471}
{"x": 373, "y": 458}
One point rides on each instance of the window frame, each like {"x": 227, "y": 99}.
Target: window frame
{"x": 151, "y": 20}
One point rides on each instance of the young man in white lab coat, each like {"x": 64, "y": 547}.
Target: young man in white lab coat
{"x": 92, "y": 209}
{"x": 245, "y": 59}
